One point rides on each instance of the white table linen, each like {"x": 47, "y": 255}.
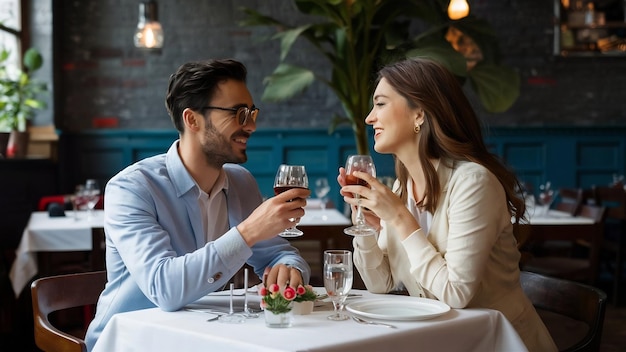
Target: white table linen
{"x": 155, "y": 330}
{"x": 557, "y": 217}
{"x": 50, "y": 234}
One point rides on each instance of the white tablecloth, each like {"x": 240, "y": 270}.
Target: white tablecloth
{"x": 44, "y": 233}
{"x": 154, "y": 330}
{"x": 556, "y": 217}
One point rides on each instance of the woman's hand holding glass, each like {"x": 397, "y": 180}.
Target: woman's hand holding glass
{"x": 364, "y": 164}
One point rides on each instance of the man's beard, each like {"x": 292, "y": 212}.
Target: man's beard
{"x": 218, "y": 150}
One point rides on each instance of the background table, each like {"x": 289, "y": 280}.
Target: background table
{"x": 51, "y": 234}
{"x": 155, "y": 330}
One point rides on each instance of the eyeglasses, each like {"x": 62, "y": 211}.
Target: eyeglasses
{"x": 242, "y": 113}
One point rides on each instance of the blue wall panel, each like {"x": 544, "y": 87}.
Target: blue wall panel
{"x": 568, "y": 157}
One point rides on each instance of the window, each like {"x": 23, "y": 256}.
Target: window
{"x": 11, "y": 30}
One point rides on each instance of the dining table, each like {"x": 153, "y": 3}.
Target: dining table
{"x": 195, "y": 328}
{"x": 45, "y": 233}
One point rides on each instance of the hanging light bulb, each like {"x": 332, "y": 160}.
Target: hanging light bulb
{"x": 149, "y": 34}
{"x": 458, "y": 9}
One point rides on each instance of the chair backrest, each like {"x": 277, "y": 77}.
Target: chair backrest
{"x": 614, "y": 199}
{"x": 571, "y": 299}
{"x": 570, "y": 200}
{"x": 55, "y": 293}
{"x": 597, "y": 213}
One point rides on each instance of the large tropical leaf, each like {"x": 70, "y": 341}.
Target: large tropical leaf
{"x": 286, "y": 82}
{"x": 448, "y": 57}
{"x": 497, "y": 86}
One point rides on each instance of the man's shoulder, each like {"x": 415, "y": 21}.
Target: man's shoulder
{"x": 152, "y": 164}
{"x": 236, "y": 170}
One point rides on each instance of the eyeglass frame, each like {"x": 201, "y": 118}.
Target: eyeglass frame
{"x": 247, "y": 112}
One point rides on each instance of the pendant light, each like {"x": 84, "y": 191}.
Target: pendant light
{"x": 149, "y": 34}
{"x": 458, "y": 9}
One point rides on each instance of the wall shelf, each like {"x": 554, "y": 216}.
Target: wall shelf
{"x": 589, "y": 28}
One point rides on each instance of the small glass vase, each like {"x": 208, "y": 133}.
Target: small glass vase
{"x": 280, "y": 320}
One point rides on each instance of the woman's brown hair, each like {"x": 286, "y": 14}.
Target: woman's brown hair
{"x": 451, "y": 129}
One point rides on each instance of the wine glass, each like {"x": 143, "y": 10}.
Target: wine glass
{"x": 363, "y": 163}
{"x": 321, "y": 190}
{"x": 288, "y": 177}
{"x": 232, "y": 317}
{"x": 338, "y": 275}
{"x": 91, "y": 195}
{"x": 546, "y": 197}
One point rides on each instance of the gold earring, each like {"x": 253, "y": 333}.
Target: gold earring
{"x": 417, "y": 129}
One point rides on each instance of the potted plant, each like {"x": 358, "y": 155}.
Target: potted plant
{"x": 359, "y": 36}
{"x": 18, "y": 99}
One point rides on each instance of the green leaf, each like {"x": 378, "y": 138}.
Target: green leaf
{"x": 448, "y": 57}
{"x": 287, "y": 81}
{"x": 497, "y": 86}
{"x": 287, "y": 38}
{"x": 32, "y": 59}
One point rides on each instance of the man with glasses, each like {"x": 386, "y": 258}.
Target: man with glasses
{"x": 179, "y": 225}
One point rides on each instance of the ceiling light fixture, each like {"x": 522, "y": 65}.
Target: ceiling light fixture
{"x": 458, "y": 9}
{"x": 149, "y": 34}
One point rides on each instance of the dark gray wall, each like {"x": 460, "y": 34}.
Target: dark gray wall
{"x": 100, "y": 74}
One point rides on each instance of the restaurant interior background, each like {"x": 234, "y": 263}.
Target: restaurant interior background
{"x": 105, "y": 102}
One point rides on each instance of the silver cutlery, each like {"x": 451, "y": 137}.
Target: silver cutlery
{"x": 369, "y": 322}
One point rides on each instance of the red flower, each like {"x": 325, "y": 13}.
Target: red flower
{"x": 263, "y": 291}
{"x": 301, "y": 290}
{"x": 289, "y": 293}
{"x": 274, "y": 288}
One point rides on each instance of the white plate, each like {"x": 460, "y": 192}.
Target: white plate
{"x": 398, "y": 308}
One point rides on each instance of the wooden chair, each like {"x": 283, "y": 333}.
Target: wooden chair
{"x": 614, "y": 245}
{"x": 570, "y": 200}
{"x": 573, "y": 312}
{"x": 57, "y": 293}
{"x": 584, "y": 268}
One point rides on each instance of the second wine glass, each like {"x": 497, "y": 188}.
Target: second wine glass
{"x": 288, "y": 177}
{"x": 363, "y": 163}
{"x": 91, "y": 194}
{"x": 338, "y": 276}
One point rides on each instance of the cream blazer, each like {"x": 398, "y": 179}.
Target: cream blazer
{"x": 469, "y": 258}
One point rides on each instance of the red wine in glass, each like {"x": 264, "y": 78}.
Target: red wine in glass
{"x": 363, "y": 163}
{"x": 288, "y": 177}
{"x": 280, "y": 189}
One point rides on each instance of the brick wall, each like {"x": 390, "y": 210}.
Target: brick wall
{"x": 99, "y": 74}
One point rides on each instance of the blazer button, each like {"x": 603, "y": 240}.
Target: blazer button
{"x": 214, "y": 278}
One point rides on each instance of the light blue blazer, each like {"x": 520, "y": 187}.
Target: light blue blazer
{"x": 156, "y": 251}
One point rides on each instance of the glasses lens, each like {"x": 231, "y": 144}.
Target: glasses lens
{"x": 244, "y": 113}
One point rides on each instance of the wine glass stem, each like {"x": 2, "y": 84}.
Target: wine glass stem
{"x": 231, "y": 310}
{"x": 360, "y": 220}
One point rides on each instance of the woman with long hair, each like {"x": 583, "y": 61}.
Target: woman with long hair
{"x": 445, "y": 230}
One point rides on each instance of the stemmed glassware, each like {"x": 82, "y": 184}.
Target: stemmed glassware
{"x": 288, "y": 177}
{"x": 247, "y": 311}
{"x": 338, "y": 274}
{"x": 232, "y": 317}
{"x": 321, "y": 190}
{"x": 363, "y": 163}
{"x": 546, "y": 197}
{"x": 91, "y": 195}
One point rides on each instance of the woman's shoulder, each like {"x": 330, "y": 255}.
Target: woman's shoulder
{"x": 470, "y": 169}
